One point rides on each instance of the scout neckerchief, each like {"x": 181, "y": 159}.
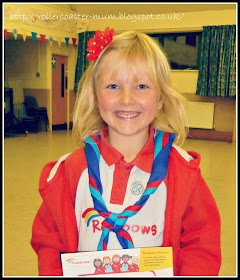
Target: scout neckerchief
{"x": 115, "y": 221}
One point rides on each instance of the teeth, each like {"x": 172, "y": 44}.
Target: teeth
{"x": 127, "y": 115}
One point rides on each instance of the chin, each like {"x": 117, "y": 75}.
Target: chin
{"x": 132, "y": 131}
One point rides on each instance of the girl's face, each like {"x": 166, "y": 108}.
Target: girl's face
{"x": 116, "y": 259}
{"x": 125, "y": 259}
{"x": 98, "y": 263}
{"x": 106, "y": 260}
{"x": 128, "y": 105}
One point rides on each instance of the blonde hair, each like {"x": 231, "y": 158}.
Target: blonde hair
{"x": 133, "y": 46}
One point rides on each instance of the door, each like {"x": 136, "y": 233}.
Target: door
{"x": 59, "y": 91}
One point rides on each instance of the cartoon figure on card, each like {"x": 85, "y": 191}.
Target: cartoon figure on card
{"x": 134, "y": 264}
{"x": 125, "y": 264}
{"x": 116, "y": 265}
{"x": 99, "y": 266}
{"x": 107, "y": 265}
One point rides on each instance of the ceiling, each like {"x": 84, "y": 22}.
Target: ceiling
{"x": 130, "y": 8}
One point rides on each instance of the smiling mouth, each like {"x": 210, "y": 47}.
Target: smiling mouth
{"x": 126, "y": 114}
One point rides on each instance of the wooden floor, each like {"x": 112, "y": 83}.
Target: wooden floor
{"x": 24, "y": 158}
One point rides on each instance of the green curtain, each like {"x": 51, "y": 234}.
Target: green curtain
{"x": 82, "y": 61}
{"x": 217, "y": 69}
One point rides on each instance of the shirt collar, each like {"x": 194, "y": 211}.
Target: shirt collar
{"x": 143, "y": 160}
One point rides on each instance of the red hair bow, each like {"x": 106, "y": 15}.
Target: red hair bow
{"x": 99, "y": 42}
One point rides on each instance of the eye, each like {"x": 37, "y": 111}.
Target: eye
{"x": 142, "y": 86}
{"x": 113, "y": 86}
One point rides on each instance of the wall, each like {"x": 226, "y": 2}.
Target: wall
{"x": 22, "y": 61}
{"x": 224, "y": 110}
{"x": 25, "y": 58}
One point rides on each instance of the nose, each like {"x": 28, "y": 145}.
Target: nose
{"x": 127, "y": 96}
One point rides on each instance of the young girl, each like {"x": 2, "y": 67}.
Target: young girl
{"x": 128, "y": 185}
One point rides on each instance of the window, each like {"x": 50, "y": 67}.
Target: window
{"x": 182, "y": 49}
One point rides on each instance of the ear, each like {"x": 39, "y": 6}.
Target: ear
{"x": 160, "y": 104}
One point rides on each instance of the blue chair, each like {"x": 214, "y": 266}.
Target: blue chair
{"x": 33, "y": 110}
{"x": 29, "y": 122}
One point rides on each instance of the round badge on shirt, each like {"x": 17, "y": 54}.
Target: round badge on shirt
{"x": 137, "y": 188}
